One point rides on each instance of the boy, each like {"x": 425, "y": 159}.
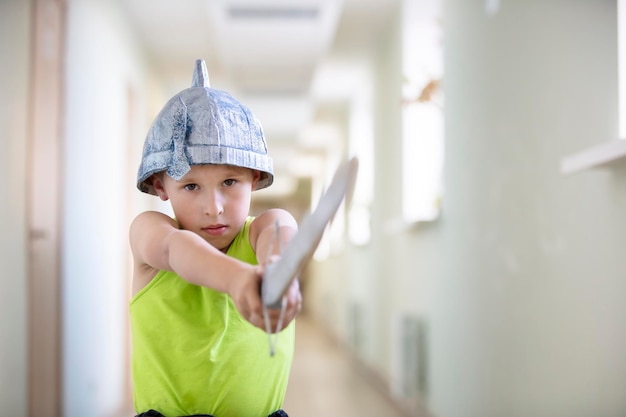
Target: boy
{"x": 196, "y": 311}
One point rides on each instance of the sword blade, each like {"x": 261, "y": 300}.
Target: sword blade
{"x": 300, "y": 249}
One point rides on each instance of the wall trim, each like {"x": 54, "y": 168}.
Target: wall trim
{"x": 44, "y": 153}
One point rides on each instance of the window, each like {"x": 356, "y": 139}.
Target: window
{"x": 422, "y": 114}
{"x": 621, "y": 55}
{"x": 361, "y": 144}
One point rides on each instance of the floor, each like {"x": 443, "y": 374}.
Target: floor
{"x": 324, "y": 382}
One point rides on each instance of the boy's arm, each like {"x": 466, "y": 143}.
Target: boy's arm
{"x": 263, "y": 233}
{"x": 263, "y": 238}
{"x": 157, "y": 243}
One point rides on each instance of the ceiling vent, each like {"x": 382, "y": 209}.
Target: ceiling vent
{"x": 238, "y": 12}
{"x": 274, "y": 46}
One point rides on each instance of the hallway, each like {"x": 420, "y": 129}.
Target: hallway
{"x": 325, "y": 383}
{"x": 500, "y": 279}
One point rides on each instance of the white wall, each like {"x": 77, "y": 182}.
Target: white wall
{"x": 104, "y": 63}
{"x": 521, "y": 280}
{"x": 14, "y": 72}
{"x": 529, "y": 317}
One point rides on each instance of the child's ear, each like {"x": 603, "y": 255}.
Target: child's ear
{"x": 256, "y": 176}
{"x": 157, "y": 183}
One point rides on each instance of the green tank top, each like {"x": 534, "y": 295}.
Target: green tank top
{"x": 194, "y": 354}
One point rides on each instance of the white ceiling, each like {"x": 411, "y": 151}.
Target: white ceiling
{"x": 285, "y": 59}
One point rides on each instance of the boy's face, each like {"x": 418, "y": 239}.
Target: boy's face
{"x": 210, "y": 200}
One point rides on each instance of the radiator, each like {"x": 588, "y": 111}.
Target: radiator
{"x": 409, "y": 356}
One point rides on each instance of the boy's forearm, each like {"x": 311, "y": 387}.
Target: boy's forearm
{"x": 202, "y": 264}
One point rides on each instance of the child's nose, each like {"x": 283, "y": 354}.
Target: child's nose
{"x": 214, "y": 205}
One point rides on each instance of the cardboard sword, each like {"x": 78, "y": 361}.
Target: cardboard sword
{"x": 300, "y": 249}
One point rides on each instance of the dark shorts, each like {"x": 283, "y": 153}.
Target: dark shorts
{"x": 152, "y": 413}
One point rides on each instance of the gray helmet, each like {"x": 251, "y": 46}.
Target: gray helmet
{"x": 202, "y": 125}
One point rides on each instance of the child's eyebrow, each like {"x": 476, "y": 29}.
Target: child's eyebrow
{"x": 235, "y": 171}
{"x": 187, "y": 179}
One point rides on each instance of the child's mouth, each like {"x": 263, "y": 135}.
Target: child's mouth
{"x": 215, "y": 230}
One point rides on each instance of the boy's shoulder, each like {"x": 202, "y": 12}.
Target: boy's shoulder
{"x": 147, "y": 220}
{"x": 272, "y": 217}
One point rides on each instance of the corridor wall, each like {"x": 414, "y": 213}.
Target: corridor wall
{"x": 528, "y": 319}
{"x": 14, "y": 73}
{"x": 520, "y": 280}
{"x": 107, "y": 80}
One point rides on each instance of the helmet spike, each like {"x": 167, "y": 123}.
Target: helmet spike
{"x": 200, "y": 75}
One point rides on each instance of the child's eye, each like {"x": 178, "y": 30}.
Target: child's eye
{"x": 229, "y": 182}
{"x": 191, "y": 187}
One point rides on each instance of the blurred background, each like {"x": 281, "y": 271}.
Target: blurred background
{"x": 479, "y": 271}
